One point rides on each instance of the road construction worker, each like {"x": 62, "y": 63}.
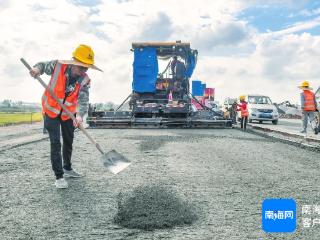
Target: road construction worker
{"x": 308, "y": 106}
{"x": 70, "y": 83}
{"x": 178, "y": 70}
{"x": 242, "y": 107}
{"x": 233, "y": 111}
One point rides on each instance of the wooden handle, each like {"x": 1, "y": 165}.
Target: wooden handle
{"x": 63, "y": 107}
{"x": 50, "y": 91}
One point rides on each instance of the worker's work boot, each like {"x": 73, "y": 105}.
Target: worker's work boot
{"x": 71, "y": 174}
{"x": 303, "y": 131}
{"x": 61, "y": 183}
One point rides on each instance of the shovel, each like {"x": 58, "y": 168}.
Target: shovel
{"x": 112, "y": 160}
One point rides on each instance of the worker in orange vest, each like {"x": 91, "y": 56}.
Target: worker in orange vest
{"x": 308, "y": 106}
{"x": 70, "y": 83}
{"x": 242, "y": 107}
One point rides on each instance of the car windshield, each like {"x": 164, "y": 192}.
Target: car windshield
{"x": 259, "y": 100}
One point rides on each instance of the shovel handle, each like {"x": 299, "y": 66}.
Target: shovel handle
{"x": 50, "y": 91}
{"x": 63, "y": 106}
{"x": 90, "y": 138}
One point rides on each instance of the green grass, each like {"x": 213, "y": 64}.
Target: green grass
{"x": 23, "y": 117}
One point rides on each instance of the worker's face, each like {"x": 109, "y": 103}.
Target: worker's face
{"x": 77, "y": 71}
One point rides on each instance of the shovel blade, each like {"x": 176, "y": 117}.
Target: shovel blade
{"x": 115, "y": 162}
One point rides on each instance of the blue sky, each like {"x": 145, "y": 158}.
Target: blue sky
{"x": 278, "y": 16}
{"x": 89, "y": 3}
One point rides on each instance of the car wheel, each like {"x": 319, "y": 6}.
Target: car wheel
{"x": 250, "y": 120}
{"x": 275, "y": 122}
{"x": 260, "y": 122}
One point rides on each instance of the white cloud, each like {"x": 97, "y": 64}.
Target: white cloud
{"x": 297, "y": 27}
{"x": 233, "y": 57}
{"x": 309, "y": 13}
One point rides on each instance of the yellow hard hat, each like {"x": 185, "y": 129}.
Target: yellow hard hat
{"x": 242, "y": 97}
{"x": 83, "y": 56}
{"x": 304, "y": 84}
{"x": 84, "y": 53}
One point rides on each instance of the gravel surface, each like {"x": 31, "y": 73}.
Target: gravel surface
{"x": 20, "y": 134}
{"x": 224, "y": 173}
{"x": 17, "y": 130}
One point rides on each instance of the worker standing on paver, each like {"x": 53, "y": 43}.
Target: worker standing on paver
{"x": 178, "y": 70}
{"x": 242, "y": 107}
{"x": 308, "y": 106}
{"x": 70, "y": 83}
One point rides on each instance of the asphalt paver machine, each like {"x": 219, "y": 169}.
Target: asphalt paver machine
{"x": 160, "y": 96}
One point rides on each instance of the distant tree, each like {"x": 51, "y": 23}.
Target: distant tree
{"x": 99, "y": 106}
{"x": 7, "y": 102}
{"x": 110, "y": 106}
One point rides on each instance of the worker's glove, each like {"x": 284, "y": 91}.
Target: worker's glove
{"x": 77, "y": 121}
{"x": 35, "y": 72}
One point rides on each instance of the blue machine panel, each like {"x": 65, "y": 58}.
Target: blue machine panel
{"x": 145, "y": 70}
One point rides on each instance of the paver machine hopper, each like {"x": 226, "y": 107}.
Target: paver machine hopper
{"x": 160, "y": 96}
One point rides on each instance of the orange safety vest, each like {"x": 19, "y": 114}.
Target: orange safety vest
{"x": 58, "y": 85}
{"x": 243, "y": 109}
{"x": 309, "y": 100}
{"x": 244, "y": 113}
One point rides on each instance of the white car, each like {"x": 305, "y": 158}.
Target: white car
{"x": 317, "y": 113}
{"x": 261, "y": 109}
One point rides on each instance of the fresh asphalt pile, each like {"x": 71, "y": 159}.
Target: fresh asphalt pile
{"x": 153, "y": 207}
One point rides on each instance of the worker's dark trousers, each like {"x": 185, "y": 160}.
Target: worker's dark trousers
{"x": 67, "y": 129}
{"x": 233, "y": 116}
{"x": 244, "y": 121}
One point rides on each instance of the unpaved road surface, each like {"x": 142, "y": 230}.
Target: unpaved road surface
{"x": 225, "y": 173}
{"x": 16, "y": 135}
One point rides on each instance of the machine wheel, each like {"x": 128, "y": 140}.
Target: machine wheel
{"x": 274, "y": 122}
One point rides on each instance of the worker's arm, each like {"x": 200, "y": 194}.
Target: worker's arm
{"x": 239, "y": 106}
{"x": 43, "y": 67}
{"x": 173, "y": 65}
{"x": 83, "y": 100}
{"x": 302, "y": 100}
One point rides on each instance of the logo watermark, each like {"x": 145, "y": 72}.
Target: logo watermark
{"x": 279, "y": 215}
{"x": 310, "y": 215}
